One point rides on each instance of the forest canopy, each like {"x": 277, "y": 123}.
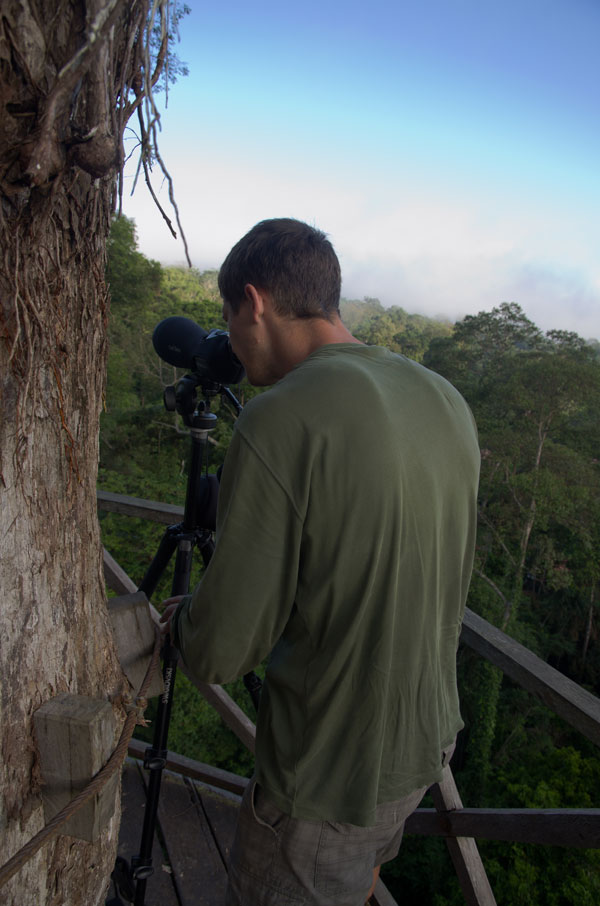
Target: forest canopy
{"x": 535, "y": 397}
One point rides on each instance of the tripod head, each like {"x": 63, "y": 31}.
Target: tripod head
{"x": 183, "y": 398}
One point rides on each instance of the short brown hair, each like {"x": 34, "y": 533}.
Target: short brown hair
{"x": 292, "y": 261}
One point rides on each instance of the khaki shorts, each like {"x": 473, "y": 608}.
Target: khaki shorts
{"x": 277, "y": 860}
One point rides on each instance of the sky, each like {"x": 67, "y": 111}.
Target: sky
{"x": 449, "y": 148}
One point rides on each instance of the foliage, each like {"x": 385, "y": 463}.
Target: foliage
{"x": 535, "y": 398}
{"x": 173, "y": 68}
{"x": 144, "y": 450}
{"x": 139, "y": 438}
{"x": 409, "y": 335}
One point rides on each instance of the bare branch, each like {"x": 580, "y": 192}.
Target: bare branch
{"x": 156, "y": 201}
{"x": 496, "y": 535}
{"x": 173, "y": 202}
{"x": 507, "y": 603}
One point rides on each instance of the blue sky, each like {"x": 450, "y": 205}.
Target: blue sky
{"x": 449, "y": 149}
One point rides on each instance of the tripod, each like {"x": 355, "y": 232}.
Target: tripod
{"x": 183, "y": 538}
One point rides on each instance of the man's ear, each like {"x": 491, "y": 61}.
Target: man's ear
{"x": 256, "y": 299}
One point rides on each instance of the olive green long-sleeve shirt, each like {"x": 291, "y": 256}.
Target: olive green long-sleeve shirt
{"x": 345, "y": 537}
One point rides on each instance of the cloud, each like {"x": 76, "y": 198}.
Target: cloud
{"x": 452, "y": 288}
{"x": 555, "y": 299}
{"x": 430, "y": 249}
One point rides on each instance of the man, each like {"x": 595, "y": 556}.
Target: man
{"x": 345, "y": 537}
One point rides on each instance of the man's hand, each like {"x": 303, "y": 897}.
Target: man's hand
{"x": 170, "y": 605}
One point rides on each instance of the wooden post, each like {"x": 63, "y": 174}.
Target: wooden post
{"x": 463, "y": 850}
{"x": 133, "y": 630}
{"x": 75, "y": 737}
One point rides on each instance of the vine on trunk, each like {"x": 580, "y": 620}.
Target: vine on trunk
{"x": 70, "y": 79}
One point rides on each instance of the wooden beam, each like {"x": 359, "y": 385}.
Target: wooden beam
{"x": 116, "y": 578}
{"x": 196, "y": 770}
{"x": 550, "y": 827}
{"x": 382, "y": 896}
{"x": 230, "y": 713}
{"x": 152, "y": 510}
{"x": 575, "y": 705}
{"x": 469, "y": 868}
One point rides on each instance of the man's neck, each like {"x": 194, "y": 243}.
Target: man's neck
{"x": 303, "y": 336}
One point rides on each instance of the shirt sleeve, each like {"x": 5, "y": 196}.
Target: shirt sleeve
{"x": 239, "y": 609}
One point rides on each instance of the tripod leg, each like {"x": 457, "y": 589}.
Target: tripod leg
{"x": 156, "y": 756}
{"x": 166, "y": 549}
{"x": 154, "y": 760}
{"x": 183, "y": 538}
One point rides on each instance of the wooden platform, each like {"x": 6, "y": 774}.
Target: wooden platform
{"x": 194, "y": 835}
{"x": 196, "y": 824}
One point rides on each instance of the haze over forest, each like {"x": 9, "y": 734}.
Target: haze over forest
{"x": 450, "y": 150}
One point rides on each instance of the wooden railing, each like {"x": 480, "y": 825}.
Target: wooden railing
{"x": 460, "y": 826}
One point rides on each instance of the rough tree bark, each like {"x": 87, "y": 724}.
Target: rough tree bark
{"x": 71, "y": 74}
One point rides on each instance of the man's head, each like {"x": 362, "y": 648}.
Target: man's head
{"x": 291, "y": 261}
{"x": 281, "y": 291}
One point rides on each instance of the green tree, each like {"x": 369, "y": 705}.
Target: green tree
{"x": 409, "y": 335}
{"x": 532, "y": 396}
{"x": 535, "y": 398}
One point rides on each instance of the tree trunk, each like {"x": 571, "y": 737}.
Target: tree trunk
{"x": 588, "y": 632}
{"x": 511, "y": 606}
{"x": 66, "y": 70}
